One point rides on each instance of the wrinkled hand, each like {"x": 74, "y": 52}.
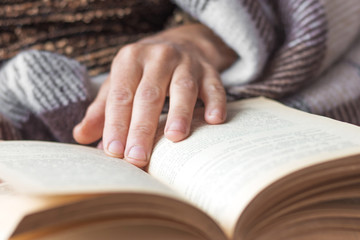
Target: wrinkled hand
{"x": 126, "y": 111}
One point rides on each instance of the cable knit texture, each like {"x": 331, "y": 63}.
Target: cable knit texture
{"x": 44, "y": 94}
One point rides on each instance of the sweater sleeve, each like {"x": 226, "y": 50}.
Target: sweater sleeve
{"x": 246, "y": 26}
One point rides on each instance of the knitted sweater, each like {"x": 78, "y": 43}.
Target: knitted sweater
{"x": 90, "y": 31}
{"x": 302, "y": 52}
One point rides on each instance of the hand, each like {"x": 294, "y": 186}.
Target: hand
{"x": 182, "y": 63}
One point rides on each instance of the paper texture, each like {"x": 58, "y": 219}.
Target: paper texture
{"x": 221, "y": 168}
{"x": 53, "y": 168}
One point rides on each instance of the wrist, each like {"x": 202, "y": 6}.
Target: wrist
{"x": 212, "y": 47}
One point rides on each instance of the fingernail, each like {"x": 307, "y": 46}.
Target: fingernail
{"x": 177, "y": 126}
{"x": 137, "y": 153}
{"x": 216, "y": 114}
{"x": 116, "y": 148}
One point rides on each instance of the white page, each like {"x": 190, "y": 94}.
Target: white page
{"x": 259, "y": 144}
{"x": 44, "y": 168}
{"x": 53, "y": 168}
{"x": 5, "y": 189}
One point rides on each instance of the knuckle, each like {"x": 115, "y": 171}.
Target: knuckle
{"x": 151, "y": 94}
{"x": 121, "y": 96}
{"x": 184, "y": 113}
{"x": 208, "y": 67}
{"x": 127, "y": 51}
{"x": 164, "y": 51}
{"x": 116, "y": 60}
{"x": 216, "y": 89}
{"x": 187, "y": 84}
{"x": 216, "y": 93}
{"x": 116, "y": 125}
{"x": 143, "y": 130}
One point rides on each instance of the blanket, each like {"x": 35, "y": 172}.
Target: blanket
{"x": 305, "y": 53}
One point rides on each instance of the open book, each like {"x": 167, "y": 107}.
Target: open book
{"x": 269, "y": 172}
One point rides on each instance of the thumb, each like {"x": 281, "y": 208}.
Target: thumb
{"x": 91, "y": 127}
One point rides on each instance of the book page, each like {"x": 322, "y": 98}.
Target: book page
{"x": 220, "y": 168}
{"x": 35, "y": 170}
{"x": 13, "y": 208}
{"x": 47, "y": 168}
{"x": 5, "y": 189}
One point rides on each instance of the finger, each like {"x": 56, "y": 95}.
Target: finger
{"x": 183, "y": 94}
{"x": 100, "y": 145}
{"x": 213, "y": 95}
{"x": 148, "y": 103}
{"x": 125, "y": 75}
{"x": 90, "y": 129}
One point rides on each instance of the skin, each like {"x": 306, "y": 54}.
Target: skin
{"x": 182, "y": 63}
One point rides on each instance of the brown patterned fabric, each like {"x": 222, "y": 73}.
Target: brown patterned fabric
{"x": 91, "y": 31}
